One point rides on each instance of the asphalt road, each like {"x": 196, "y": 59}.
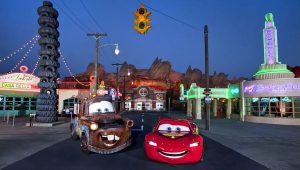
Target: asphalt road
{"x": 67, "y": 154}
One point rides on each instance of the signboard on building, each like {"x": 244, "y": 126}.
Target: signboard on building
{"x": 20, "y": 81}
{"x": 272, "y": 87}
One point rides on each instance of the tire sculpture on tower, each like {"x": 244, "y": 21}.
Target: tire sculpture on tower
{"x": 47, "y": 100}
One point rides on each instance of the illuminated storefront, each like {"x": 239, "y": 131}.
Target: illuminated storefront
{"x": 271, "y": 98}
{"x": 224, "y": 101}
{"x": 18, "y": 93}
{"x": 144, "y": 98}
{"x": 274, "y": 94}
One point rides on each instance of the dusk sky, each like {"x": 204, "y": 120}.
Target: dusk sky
{"x": 235, "y": 33}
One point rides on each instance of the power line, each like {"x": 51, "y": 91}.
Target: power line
{"x": 74, "y": 15}
{"x": 73, "y": 21}
{"x": 175, "y": 19}
{"x": 94, "y": 20}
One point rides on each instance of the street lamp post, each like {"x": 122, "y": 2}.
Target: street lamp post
{"x": 207, "y": 91}
{"x": 117, "y": 51}
{"x": 96, "y": 35}
{"x": 124, "y": 91}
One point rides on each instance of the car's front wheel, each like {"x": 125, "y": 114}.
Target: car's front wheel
{"x": 84, "y": 144}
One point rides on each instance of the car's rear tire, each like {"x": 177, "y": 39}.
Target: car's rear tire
{"x": 84, "y": 144}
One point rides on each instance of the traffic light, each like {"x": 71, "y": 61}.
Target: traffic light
{"x": 142, "y": 21}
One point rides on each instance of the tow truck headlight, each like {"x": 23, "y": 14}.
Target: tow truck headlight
{"x": 152, "y": 143}
{"x": 194, "y": 144}
{"x": 94, "y": 126}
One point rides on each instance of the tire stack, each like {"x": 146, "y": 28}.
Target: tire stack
{"x": 47, "y": 100}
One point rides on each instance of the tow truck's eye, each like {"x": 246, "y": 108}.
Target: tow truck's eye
{"x": 106, "y": 109}
{"x": 99, "y": 110}
{"x": 178, "y": 129}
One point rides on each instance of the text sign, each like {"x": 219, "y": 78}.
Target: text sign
{"x": 271, "y": 88}
{"x": 15, "y": 86}
{"x": 270, "y": 46}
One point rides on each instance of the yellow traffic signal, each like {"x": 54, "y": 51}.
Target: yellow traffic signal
{"x": 142, "y": 21}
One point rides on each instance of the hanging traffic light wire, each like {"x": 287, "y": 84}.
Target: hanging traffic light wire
{"x": 175, "y": 19}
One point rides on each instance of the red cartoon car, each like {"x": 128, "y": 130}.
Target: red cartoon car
{"x": 174, "y": 141}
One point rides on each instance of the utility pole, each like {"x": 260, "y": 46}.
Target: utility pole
{"x": 96, "y": 35}
{"x": 117, "y": 78}
{"x": 207, "y": 90}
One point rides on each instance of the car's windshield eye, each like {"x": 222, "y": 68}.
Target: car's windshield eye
{"x": 106, "y": 109}
{"x": 169, "y": 129}
{"x": 178, "y": 129}
{"x": 99, "y": 110}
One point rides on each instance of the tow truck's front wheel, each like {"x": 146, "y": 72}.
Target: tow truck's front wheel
{"x": 74, "y": 135}
{"x": 84, "y": 145}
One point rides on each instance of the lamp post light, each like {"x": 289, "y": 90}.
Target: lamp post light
{"x": 124, "y": 91}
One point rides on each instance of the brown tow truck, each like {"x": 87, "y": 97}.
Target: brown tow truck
{"x": 100, "y": 128}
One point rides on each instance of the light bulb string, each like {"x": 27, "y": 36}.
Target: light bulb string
{"x": 36, "y": 64}
{"x": 30, "y": 42}
{"x": 69, "y": 70}
{"x": 23, "y": 58}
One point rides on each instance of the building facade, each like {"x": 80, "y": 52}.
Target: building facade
{"x": 18, "y": 92}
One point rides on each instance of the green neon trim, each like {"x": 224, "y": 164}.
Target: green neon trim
{"x": 267, "y": 71}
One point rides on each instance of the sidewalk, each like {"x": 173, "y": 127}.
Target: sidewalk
{"x": 275, "y": 146}
{"x": 19, "y": 141}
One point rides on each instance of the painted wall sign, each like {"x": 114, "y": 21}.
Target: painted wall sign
{"x": 15, "y": 86}
{"x": 20, "y": 78}
{"x": 272, "y": 88}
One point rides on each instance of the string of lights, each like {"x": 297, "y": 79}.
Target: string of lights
{"x": 30, "y": 42}
{"x": 24, "y": 57}
{"x": 68, "y": 68}
{"x": 35, "y": 66}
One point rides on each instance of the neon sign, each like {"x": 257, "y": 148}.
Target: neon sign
{"x": 235, "y": 91}
{"x": 270, "y": 40}
{"x": 270, "y": 88}
{"x": 20, "y": 78}
{"x": 15, "y": 86}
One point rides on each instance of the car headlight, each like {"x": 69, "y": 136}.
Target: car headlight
{"x": 152, "y": 143}
{"x": 194, "y": 144}
{"x": 94, "y": 126}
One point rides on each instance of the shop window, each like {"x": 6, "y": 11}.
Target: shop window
{"x": 9, "y": 103}
{"x": 26, "y": 103}
{"x": 33, "y": 104}
{"x": 18, "y": 103}
{"x": 2, "y": 103}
